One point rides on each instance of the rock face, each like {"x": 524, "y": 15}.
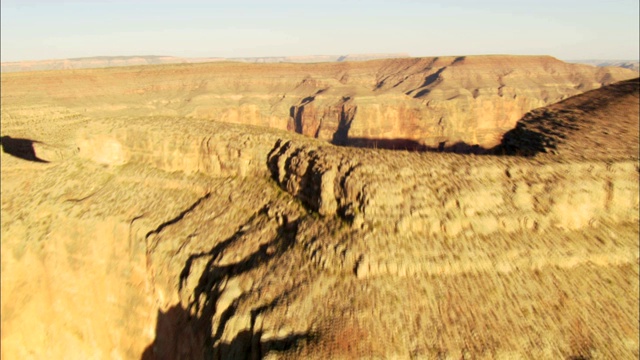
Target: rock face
{"x": 421, "y": 103}
{"x": 334, "y": 185}
{"x": 164, "y": 237}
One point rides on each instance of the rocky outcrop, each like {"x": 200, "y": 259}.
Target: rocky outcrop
{"x": 189, "y": 151}
{"x": 486, "y": 197}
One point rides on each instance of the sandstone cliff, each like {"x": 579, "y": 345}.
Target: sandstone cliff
{"x": 128, "y": 236}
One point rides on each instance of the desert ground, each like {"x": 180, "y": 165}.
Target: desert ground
{"x": 479, "y": 207}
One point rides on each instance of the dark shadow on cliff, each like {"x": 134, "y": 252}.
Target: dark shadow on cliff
{"x": 523, "y": 142}
{"x": 575, "y": 119}
{"x": 189, "y": 333}
{"x": 429, "y": 81}
{"x": 539, "y": 131}
{"x": 517, "y": 142}
{"x": 20, "y": 148}
{"x": 309, "y": 181}
{"x": 347, "y": 114}
{"x": 413, "y": 145}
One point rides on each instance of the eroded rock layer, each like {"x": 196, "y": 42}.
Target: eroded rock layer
{"x": 413, "y": 103}
{"x": 166, "y": 237}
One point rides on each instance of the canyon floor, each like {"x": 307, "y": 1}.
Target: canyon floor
{"x": 171, "y": 212}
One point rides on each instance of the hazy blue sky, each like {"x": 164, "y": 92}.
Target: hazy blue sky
{"x": 567, "y": 29}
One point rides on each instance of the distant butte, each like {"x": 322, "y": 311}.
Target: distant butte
{"x": 114, "y": 61}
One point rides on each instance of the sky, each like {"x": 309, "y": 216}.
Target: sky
{"x": 566, "y": 29}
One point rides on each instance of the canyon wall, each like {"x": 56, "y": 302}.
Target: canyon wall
{"x": 416, "y": 103}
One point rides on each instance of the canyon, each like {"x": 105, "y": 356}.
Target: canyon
{"x": 234, "y": 211}
{"x": 421, "y": 103}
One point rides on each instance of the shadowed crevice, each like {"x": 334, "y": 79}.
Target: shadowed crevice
{"x": 20, "y": 148}
{"x": 190, "y": 332}
{"x": 347, "y": 114}
{"x": 413, "y": 145}
{"x": 425, "y": 88}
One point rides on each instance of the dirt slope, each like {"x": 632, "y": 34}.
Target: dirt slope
{"x": 168, "y": 237}
{"x": 601, "y": 123}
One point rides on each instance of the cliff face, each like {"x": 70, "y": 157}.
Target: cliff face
{"x": 396, "y": 103}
